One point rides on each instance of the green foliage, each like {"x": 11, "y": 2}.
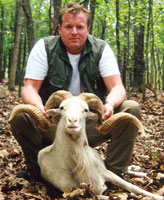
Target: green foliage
{"x": 155, "y": 156}
{"x": 8, "y": 2}
{"x": 105, "y": 11}
{"x": 40, "y": 14}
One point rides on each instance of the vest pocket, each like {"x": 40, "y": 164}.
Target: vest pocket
{"x": 56, "y": 84}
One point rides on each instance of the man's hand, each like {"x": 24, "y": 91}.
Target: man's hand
{"x": 49, "y": 118}
{"x": 108, "y": 111}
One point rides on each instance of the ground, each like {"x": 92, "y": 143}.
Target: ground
{"x": 148, "y": 154}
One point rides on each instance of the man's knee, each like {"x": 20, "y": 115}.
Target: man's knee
{"x": 131, "y": 107}
{"x": 23, "y": 124}
{"x": 17, "y": 121}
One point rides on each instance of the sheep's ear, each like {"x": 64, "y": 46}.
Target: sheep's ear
{"x": 53, "y": 112}
{"x": 91, "y": 115}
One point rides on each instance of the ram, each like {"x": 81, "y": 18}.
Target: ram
{"x": 70, "y": 161}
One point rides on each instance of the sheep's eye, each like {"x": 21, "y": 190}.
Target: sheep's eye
{"x": 61, "y": 108}
{"x": 86, "y": 110}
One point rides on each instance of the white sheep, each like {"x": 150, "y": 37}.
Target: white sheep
{"x": 70, "y": 161}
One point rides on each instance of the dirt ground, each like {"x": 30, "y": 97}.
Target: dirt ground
{"x": 148, "y": 154}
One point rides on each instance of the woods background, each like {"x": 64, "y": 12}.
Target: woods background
{"x": 135, "y": 31}
{"x": 133, "y": 28}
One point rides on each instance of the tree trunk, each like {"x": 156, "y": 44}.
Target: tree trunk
{"x": 55, "y": 19}
{"x": 146, "y": 77}
{"x": 163, "y": 72}
{"x": 103, "y": 30}
{"x": 124, "y": 63}
{"x": 118, "y": 34}
{"x": 1, "y": 43}
{"x": 51, "y": 17}
{"x": 92, "y": 7}
{"x": 15, "y": 54}
{"x": 29, "y": 23}
{"x": 159, "y": 74}
{"x": 18, "y": 68}
{"x": 139, "y": 64}
{"x": 153, "y": 71}
{"x": 5, "y": 58}
{"x": 147, "y": 40}
{"x": 23, "y": 67}
{"x": 128, "y": 51}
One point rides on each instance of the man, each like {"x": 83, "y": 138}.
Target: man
{"x": 77, "y": 62}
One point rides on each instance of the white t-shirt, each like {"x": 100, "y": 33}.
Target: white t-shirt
{"x": 75, "y": 86}
{"x": 37, "y": 65}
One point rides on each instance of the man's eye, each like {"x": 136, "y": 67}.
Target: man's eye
{"x": 68, "y": 27}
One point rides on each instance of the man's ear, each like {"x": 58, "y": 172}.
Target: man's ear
{"x": 88, "y": 30}
{"x": 59, "y": 28}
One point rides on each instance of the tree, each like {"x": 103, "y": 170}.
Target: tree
{"x": 126, "y": 50}
{"x": 163, "y": 72}
{"x": 118, "y": 34}
{"x": 55, "y": 12}
{"x": 92, "y": 9}
{"x": 29, "y": 23}
{"x": 14, "y": 59}
{"x": 1, "y": 43}
{"x": 139, "y": 64}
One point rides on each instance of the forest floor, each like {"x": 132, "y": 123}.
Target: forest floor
{"x": 148, "y": 154}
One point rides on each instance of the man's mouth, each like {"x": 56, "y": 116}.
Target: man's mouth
{"x": 74, "y": 39}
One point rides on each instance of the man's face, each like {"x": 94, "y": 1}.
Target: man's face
{"x": 74, "y": 31}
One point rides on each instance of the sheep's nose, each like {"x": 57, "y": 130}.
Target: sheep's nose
{"x": 72, "y": 120}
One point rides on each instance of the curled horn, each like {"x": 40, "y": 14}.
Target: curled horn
{"x": 34, "y": 112}
{"x": 111, "y": 122}
{"x": 94, "y": 103}
{"x": 44, "y": 124}
{"x": 56, "y": 98}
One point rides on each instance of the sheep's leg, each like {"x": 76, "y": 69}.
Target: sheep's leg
{"x": 135, "y": 170}
{"x": 63, "y": 183}
{"x": 116, "y": 180}
{"x": 103, "y": 197}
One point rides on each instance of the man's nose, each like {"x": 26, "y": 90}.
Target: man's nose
{"x": 74, "y": 30}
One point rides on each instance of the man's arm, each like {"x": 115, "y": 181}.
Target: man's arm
{"x": 30, "y": 93}
{"x": 116, "y": 94}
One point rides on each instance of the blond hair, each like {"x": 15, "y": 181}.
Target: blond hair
{"x": 74, "y": 9}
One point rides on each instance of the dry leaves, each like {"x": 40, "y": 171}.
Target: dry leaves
{"x": 84, "y": 192}
{"x": 148, "y": 153}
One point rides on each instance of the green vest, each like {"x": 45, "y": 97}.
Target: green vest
{"x": 60, "y": 70}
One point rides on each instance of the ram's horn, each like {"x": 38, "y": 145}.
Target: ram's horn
{"x": 94, "y": 102}
{"x": 95, "y": 105}
{"x": 56, "y": 98}
{"x": 34, "y": 112}
{"x": 115, "y": 119}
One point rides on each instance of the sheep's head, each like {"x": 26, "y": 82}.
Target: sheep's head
{"x": 73, "y": 113}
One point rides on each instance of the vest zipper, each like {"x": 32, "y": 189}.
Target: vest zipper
{"x": 95, "y": 85}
